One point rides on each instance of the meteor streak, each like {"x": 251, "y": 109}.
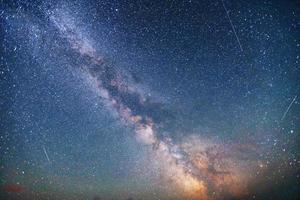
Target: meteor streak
{"x": 288, "y": 108}
{"x": 46, "y": 154}
{"x": 231, "y": 24}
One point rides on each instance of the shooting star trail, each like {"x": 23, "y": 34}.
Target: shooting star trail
{"x": 46, "y": 154}
{"x": 288, "y": 108}
{"x": 237, "y": 38}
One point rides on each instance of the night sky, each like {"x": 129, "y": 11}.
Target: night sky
{"x": 149, "y": 100}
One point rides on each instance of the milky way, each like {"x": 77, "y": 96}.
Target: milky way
{"x": 180, "y": 160}
{"x": 196, "y": 171}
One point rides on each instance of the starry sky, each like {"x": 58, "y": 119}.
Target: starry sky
{"x": 165, "y": 100}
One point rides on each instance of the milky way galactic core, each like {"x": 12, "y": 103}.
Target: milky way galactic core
{"x": 150, "y": 100}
